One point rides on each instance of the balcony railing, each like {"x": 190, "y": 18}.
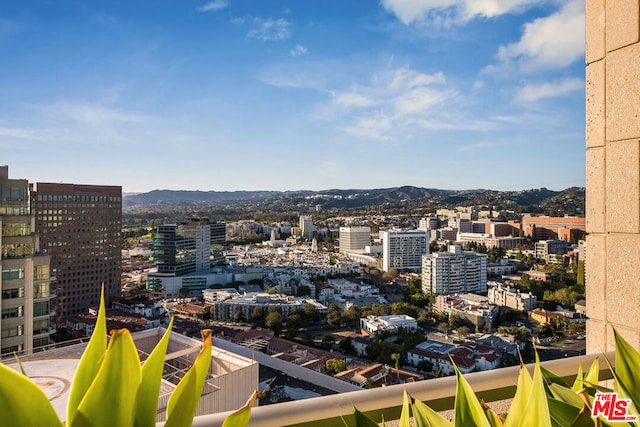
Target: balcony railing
{"x": 438, "y": 393}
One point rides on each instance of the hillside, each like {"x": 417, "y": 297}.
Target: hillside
{"x": 391, "y": 200}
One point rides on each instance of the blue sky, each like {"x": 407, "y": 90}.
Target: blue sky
{"x": 291, "y": 95}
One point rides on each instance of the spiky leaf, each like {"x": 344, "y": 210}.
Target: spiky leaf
{"x": 22, "y": 402}
{"x": 494, "y": 419}
{"x": 241, "y": 417}
{"x": 111, "y": 399}
{"x": 521, "y": 398}
{"x": 405, "y": 416}
{"x": 361, "y": 419}
{"x": 578, "y": 384}
{"x": 626, "y": 372}
{"x": 183, "y": 402}
{"x": 468, "y": 411}
{"x": 427, "y": 417}
{"x": 89, "y": 362}
{"x": 147, "y": 407}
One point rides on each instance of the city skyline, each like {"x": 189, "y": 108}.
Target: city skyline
{"x": 280, "y": 95}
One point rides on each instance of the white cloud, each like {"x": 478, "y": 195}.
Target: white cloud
{"x": 393, "y": 105}
{"x": 269, "y": 29}
{"x": 552, "y": 42}
{"x": 352, "y": 100}
{"x": 214, "y": 6}
{"x": 534, "y": 92}
{"x": 95, "y": 114}
{"x": 453, "y": 12}
{"x": 18, "y": 133}
{"x": 298, "y": 50}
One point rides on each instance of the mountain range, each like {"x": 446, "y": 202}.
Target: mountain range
{"x": 570, "y": 200}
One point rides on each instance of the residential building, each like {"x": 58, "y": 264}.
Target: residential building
{"x": 80, "y": 226}
{"x": 213, "y": 295}
{"x": 226, "y": 309}
{"x": 506, "y": 296}
{"x": 374, "y": 325}
{"x": 26, "y": 278}
{"x": 467, "y": 357}
{"x": 306, "y": 227}
{"x": 354, "y": 238}
{"x": 404, "y": 249}
{"x": 454, "y": 271}
{"x": 475, "y": 308}
{"x": 545, "y": 248}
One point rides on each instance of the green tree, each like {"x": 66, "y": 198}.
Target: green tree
{"x": 351, "y": 316}
{"x": 257, "y": 316}
{"x": 274, "y": 321}
{"x": 295, "y": 322}
{"x": 404, "y": 308}
{"x": 334, "y": 366}
{"x": 334, "y": 318}
{"x": 239, "y": 317}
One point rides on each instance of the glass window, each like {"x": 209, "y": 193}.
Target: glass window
{"x": 8, "y": 313}
{"x": 40, "y": 308}
{"x": 40, "y": 272}
{"x": 12, "y": 293}
{"x": 14, "y": 273}
{"x": 41, "y": 290}
{"x": 14, "y": 331}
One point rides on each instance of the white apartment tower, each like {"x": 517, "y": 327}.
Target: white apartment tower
{"x": 404, "y": 249}
{"x": 456, "y": 271}
{"x": 306, "y": 226}
{"x": 354, "y": 238}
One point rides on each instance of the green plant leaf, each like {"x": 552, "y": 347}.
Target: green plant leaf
{"x": 424, "y": 416}
{"x": 361, "y": 419}
{"x": 111, "y": 399}
{"x": 521, "y": 398}
{"x": 22, "y": 402}
{"x": 566, "y": 395}
{"x": 552, "y": 378}
{"x": 591, "y": 378}
{"x": 468, "y": 411}
{"x": 405, "y": 417}
{"x": 494, "y": 419}
{"x": 89, "y": 362}
{"x": 147, "y": 406}
{"x": 626, "y": 372}
{"x": 562, "y": 414}
{"x": 183, "y": 402}
{"x": 241, "y": 417}
{"x": 529, "y": 407}
{"x": 578, "y": 384}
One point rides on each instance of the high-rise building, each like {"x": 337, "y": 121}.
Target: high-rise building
{"x": 80, "y": 226}
{"x": 306, "y": 226}
{"x": 354, "y": 238}
{"x": 455, "y": 271}
{"x": 404, "y": 249}
{"x": 193, "y": 246}
{"x": 26, "y": 274}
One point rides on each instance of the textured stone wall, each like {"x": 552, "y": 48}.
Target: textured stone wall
{"x": 613, "y": 171}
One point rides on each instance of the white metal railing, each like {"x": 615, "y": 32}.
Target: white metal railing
{"x": 386, "y": 401}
